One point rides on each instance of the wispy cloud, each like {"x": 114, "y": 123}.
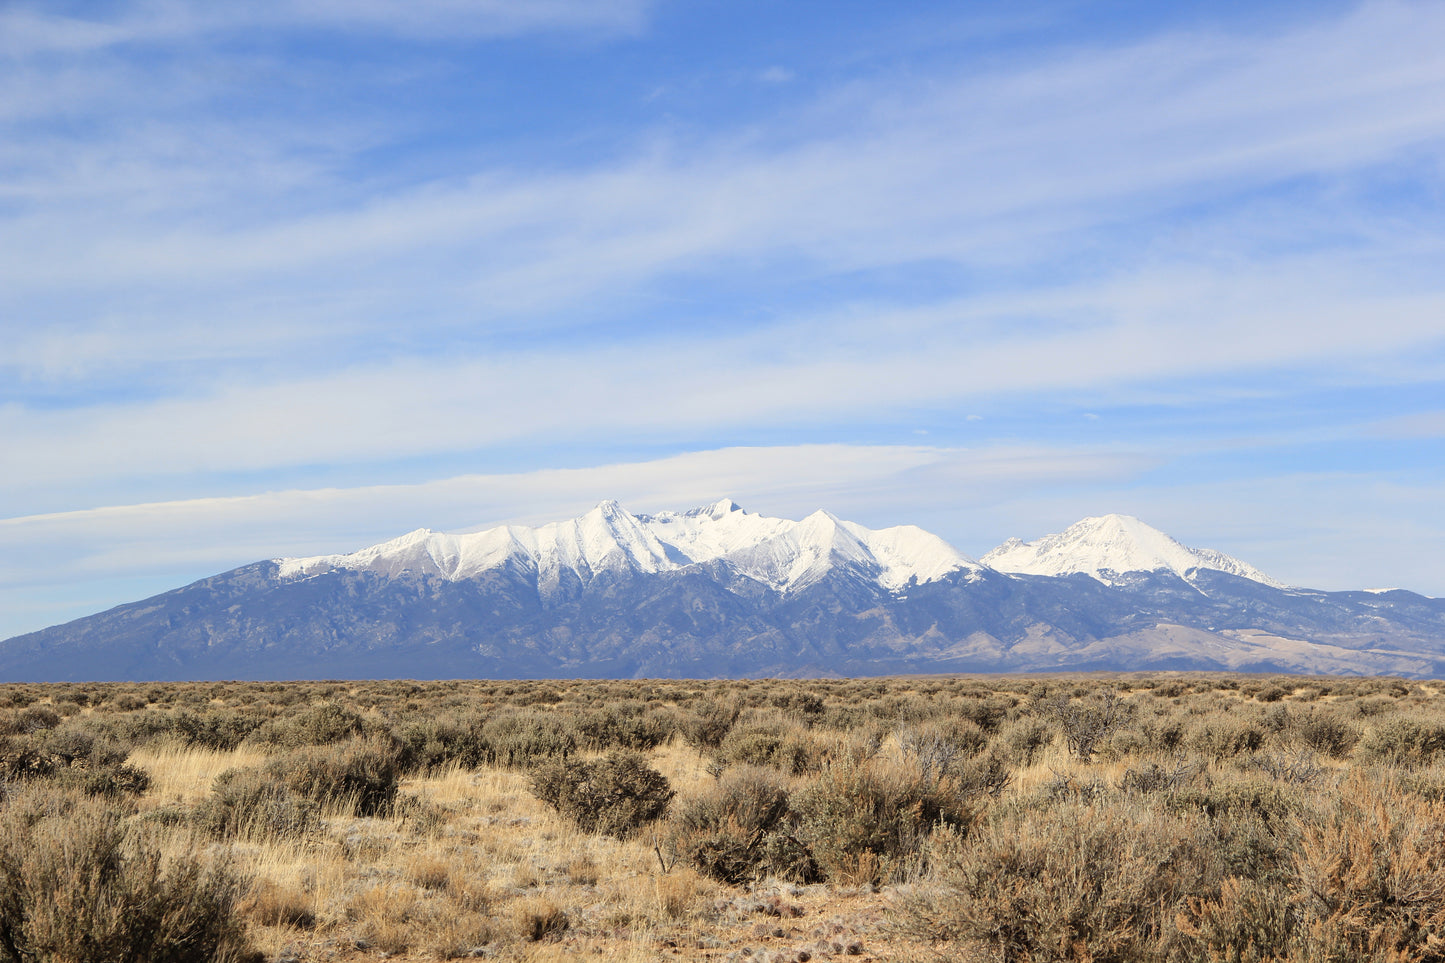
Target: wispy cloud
{"x": 796, "y": 478}
{"x": 240, "y": 242}
{"x": 1423, "y": 424}
{"x": 823, "y": 371}
{"x": 999, "y": 168}
{"x": 30, "y": 29}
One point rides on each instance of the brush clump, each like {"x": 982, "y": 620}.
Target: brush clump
{"x": 1169, "y": 817}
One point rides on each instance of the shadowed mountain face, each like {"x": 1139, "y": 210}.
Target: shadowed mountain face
{"x": 719, "y": 592}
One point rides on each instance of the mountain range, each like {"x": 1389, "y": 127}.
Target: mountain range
{"x": 717, "y": 591}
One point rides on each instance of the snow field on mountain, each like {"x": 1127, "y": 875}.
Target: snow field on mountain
{"x": 1108, "y": 546}
{"x": 782, "y": 554}
{"x": 785, "y": 555}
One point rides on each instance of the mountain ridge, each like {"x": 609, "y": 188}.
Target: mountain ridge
{"x": 717, "y": 591}
{"x": 785, "y": 555}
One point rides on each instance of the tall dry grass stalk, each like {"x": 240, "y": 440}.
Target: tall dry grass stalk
{"x": 182, "y": 774}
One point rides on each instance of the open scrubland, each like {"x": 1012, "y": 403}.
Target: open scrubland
{"x": 1120, "y": 817}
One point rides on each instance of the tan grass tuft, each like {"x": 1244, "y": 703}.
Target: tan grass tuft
{"x": 270, "y": 903}
{"x": 430, "y": 872}
{"x": 537, "y": 918}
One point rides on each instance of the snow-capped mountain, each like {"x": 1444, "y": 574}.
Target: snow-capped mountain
{"x": 1111, "y": 548}
{"x": 717, "y": 591}
{"x": 784, "y": 555}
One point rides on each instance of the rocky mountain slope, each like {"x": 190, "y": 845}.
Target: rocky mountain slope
{"x": 717, "y": 591}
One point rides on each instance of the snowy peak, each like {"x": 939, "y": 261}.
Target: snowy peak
{"x": 720, "y": 508}
{"x": 820, "y": 544}
{"x": 908, "y": 552}
{"x": 608, "y": 538}
{"x": 1109, "y": 547}
{"x": 782, "y": 554}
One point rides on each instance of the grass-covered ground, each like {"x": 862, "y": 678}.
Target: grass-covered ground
{"x": 1120, "y": 817}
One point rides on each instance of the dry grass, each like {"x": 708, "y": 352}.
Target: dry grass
{"x": 468, "y": 862}
{"x": 182, "y": 775}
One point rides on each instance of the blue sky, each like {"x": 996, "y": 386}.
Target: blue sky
{"x": 292, "y": 277}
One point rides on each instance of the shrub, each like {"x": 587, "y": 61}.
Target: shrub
{"x": 519, "y": 739}
{"x": 764, "y": 744}
{"x": 985, "y": 775}
{"x": 989, "y": 713}
{"x": 1367, "y": 881}
{"x": 217, "y": 730}
{"x": 1402, "y": 742}
{"x": 1374, "y": 706}
{"x": 1087, "y": 723}
{"x": 72, "y": 758}
{"x": 1252, "y": 798}
{"x": 73, "y": 746}
{"x": 1165, "y": 736}
{"x": 1248, "y": 922}
{"x": 742, "y": 829}
{"x": 221, "y": 730}
{"x": 707, "y": 722}
{"x": 1272, "y": 693}
{"x": 615, "y": 795}
{"x": 1153, "y": 777}
{"x": 23, "y": 761}
{"x": 795, "y": 703}
{"x": 1324, "y": 732}
{"x": 359, "y": 775}
{"x": 1250, "y": 847}
{"x": 1073, "y": 882}
{"x": 432, "y": 743}
{"x": 76, "y": 886}
{"x": 866, "y": 822}
{"x": 1298, "y": 768}
{"x": 35, "y": 718}
{"x": 108, "y": 781}
{"x": 1066, "y": 787}
{"x": 1372, "y": 875}
{"x": 320, "y": 725}
{"x": 1221, "y": 739}
{"x": 251, "y": 804}
{"x": 627, "y": 725}
{"x": 1021, "y": 742}
{"x": 941, "y": 747}
{"x": 904, "y": 707}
